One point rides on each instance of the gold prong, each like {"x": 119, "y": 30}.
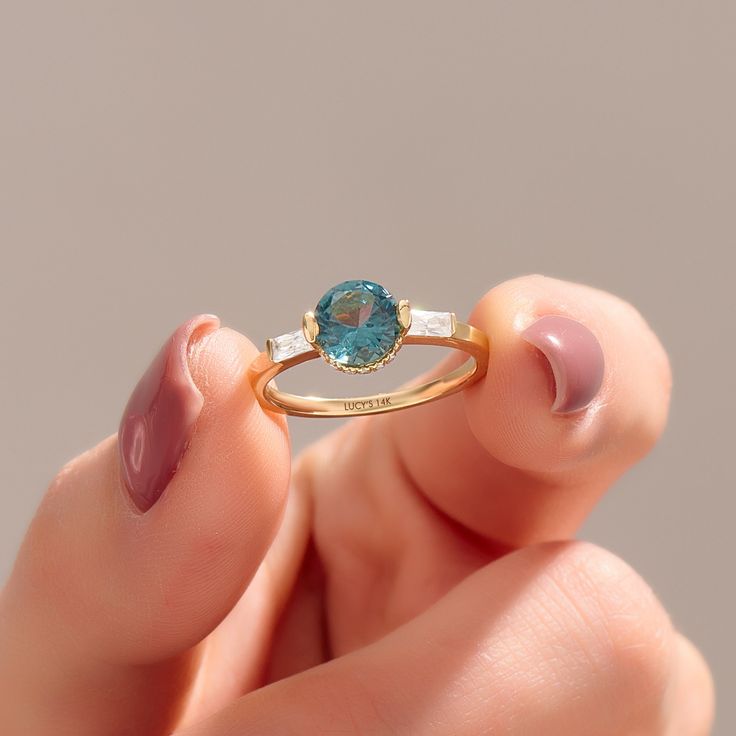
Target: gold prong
{"x": 269, "y": 348}
{"x": 404, "y": 310}
{"x": 453, "y": 322}
{"x": 310, "y": 327}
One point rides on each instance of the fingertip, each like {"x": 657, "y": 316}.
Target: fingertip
{"x": 575, "y": 374}
{"x": 173, "y": 569}
{"x": 218, "y": 362}
{"x": 188, "y": 559}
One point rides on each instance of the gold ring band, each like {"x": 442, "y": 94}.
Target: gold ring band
{"x": 456, "y": 335}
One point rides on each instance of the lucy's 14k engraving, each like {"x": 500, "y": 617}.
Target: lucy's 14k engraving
{"x": 355, "y": 406}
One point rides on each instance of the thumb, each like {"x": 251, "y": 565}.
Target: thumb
{"x": 141, "y": 546}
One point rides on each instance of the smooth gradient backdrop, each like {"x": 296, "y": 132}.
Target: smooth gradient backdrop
{"x": 159, "y": 159}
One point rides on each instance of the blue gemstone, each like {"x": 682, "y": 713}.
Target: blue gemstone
{"x": 358, "y": 323}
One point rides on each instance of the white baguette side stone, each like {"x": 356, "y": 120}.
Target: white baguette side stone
{"x": 431, "y": 324}
{"x": 288, "y": 346}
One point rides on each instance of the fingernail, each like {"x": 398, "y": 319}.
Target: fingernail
{"x": 576, "y": 358}
{"x": 158, "y": 421}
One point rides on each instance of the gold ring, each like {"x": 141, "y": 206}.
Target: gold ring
{"x": 359, "y": 327}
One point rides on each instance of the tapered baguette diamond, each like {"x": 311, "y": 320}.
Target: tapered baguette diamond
{"x": 289, "y": 345}
{"x": 431, "y": 324}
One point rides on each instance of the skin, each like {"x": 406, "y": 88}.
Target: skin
{"x": 411, "y": 573}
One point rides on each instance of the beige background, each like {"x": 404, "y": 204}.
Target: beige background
{"x": 158, "y": 159}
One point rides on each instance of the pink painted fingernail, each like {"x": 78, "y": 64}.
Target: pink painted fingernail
{"x": 159, "y": 420}
{"x": 576, "y": 358}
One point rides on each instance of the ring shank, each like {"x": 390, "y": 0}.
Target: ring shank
{"x": 465, "y": 338}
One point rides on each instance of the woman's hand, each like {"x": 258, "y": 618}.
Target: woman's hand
{"x": 411, "y": 578}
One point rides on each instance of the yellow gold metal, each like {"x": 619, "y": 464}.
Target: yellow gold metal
{"x": 404, "y": 312}
{"x": 465, "y": 337}
{"x": 310, "y": 327}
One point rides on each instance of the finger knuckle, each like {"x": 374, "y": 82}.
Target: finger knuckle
{"x": 628, "y": 635}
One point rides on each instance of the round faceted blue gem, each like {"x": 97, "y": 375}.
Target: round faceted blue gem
{"x": 358, "y": 323}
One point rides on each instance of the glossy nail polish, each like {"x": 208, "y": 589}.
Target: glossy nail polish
{"x": 575, "y": 356}
{"x": 159, "y": 419}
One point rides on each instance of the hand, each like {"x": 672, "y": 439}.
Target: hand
{"x": 407, "y": 577}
